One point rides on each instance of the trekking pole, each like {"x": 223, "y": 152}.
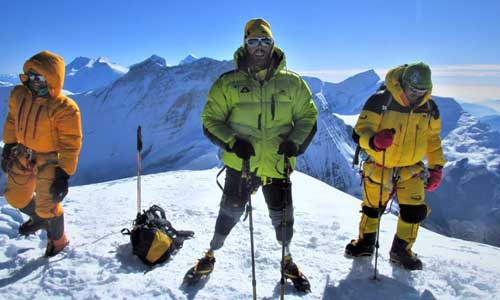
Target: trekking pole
{"x": 139, "y": 160}
{"x": 379, "y": 215}
{"x": 245, "y": 176}
{"x": 283, "y": 228}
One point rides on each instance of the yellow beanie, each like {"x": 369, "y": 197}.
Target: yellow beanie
{"x": 258, "y": 28}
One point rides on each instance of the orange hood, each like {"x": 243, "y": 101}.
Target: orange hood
{"x": 51, "y": 66}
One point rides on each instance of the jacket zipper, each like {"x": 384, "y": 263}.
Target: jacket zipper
{"x": 36, "y": 120}
{"x": 273, "y": 107}
{"x": 415, "y": 145}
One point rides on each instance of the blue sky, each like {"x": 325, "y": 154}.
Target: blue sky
{"x": 331, "y": 39}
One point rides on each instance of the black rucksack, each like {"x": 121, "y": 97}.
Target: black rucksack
{"x": 153, "y": 237}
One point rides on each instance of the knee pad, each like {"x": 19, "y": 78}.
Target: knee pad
{"x": 413, "y": 214}
{"x": 370, "y": 212}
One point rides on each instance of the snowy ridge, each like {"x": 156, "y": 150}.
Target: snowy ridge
{"x": 475, "y": 142}
{"x": 99, "y": 263}
{"x": 467, "y": 203}
{"x": 478, "y": 110}
{"x": 492, "y": 121}
{"x": 85, "y": 73}
{"x": 348, "y": 96}
{"x": 5, "y": 84}
{"x": 9, "y": 79}
{"x": 166, "y": 102}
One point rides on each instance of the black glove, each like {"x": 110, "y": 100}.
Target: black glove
{"x": 288, "y": 148}
{"x": 6, "y": 158}
{"x": 59, "y": 188}
{"x": 243, "y": 149}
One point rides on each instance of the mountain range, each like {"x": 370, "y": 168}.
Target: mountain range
{"x": 167, "y": 101}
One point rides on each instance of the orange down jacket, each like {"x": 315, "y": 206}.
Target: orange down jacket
{"x": 45, "y": 124}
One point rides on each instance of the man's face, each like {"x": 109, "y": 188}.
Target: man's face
{"x": 413, "y": 94}
{"x": 36, "y": 81}
{"x": 259, "y": 50}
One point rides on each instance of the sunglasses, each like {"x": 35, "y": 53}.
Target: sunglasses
{"x": 253, "y": 42}
{"x": 34, "y": 77}
{"x": 415, "y": 90}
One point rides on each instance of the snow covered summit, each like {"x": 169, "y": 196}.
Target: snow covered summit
{"x": 99, "y": 264}
{"x": 85, "y": 73}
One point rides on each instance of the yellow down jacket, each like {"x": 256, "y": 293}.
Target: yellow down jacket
{"x": 417, "y": 127}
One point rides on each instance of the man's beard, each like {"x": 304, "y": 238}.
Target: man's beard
{"x": 260, "y": 62}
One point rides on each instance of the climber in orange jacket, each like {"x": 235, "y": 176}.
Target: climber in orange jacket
{"x": 43, "y": 137}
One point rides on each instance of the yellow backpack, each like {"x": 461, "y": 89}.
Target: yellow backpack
{"x": 153, "y": 237}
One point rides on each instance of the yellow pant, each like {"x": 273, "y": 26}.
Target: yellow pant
{"x": 29, "y": 177}
{"x": 409, "y": 189}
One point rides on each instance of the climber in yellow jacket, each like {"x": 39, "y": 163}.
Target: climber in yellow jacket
{"x": 42, "y": 136}
{"x": 402, "y": 122}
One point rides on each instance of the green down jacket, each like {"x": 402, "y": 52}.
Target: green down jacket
{"x": 263, "y": 112}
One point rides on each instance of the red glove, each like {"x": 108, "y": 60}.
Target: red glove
{"x": 382, "y": 140}
{"x": 434, "y": 180}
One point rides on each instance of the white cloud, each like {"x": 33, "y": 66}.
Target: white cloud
{"x": 470, "y": 93}
{"x": 467, "y": 71}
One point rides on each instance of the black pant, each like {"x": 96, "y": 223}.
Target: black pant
{"x": 277, "y": 194}
{"x": 54, "y": 226}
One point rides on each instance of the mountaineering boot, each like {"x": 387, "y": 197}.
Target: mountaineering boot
{"x": 292, "y": 272}
{"x": 361, "y": 247}
{"x": 405, "y": 257}
{"x": 56, "y": 246}
{"x": 202, "y": 269}
{"x": 32, "y": 226}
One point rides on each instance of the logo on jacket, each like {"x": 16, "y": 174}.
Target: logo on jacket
{"x": 245, "y": 90}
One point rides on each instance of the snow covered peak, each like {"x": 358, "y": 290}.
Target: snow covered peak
{"x": 77, "y": 64}
{"x": 363, "y": 79}
{"x": 188, "y": 59}
{"x": 85, "y": 73}
{"x": 154, "y": 62}
{"x": 348, "y": 96}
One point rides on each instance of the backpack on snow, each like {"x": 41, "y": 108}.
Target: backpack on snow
{"x": 153, "y": 237}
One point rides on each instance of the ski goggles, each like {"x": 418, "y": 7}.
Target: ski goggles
{"x": 254, "y": 42}
{"x": 32, "y": 77}
{"x": 415, "y": 91}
